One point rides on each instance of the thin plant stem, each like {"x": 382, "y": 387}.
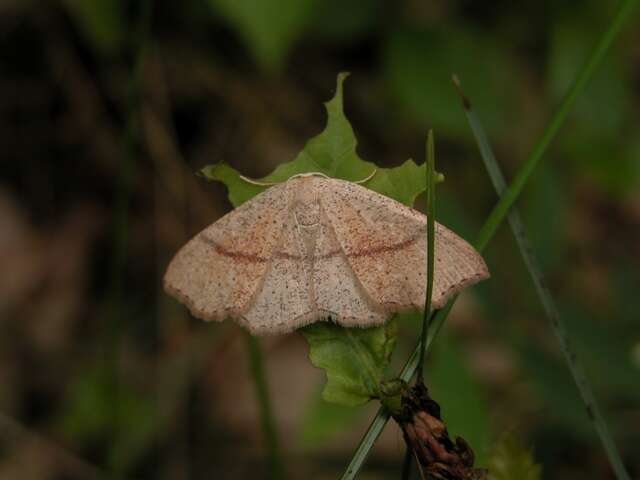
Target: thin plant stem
{"x": 431, "y": 216}
{"x": 382, "y": 416}
{"x": 256, "y": 363}
{"x": 497, "y": 216}
{"x": 550, "y": 307}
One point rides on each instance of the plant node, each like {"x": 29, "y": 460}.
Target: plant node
{"x": 439, "y": 457}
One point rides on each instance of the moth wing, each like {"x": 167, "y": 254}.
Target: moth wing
{"x": 385, "y": 244}
{"x": 339, "y": 294}
{"x": 285, "y": 301}
{"x": 218, "y": 273}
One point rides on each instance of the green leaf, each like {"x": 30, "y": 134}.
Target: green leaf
{"x": 239, "y": 190}
{"x": 354, "y": 359}
{"x": 332, "y": 152}
{"x": 511, "y": 461}
{"x": 268, "y": 27}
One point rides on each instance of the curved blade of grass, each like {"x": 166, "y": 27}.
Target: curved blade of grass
{"x": 548, "y": 303}
{"x": 431, "y": 228}
{"x": 431, "y": 216}
{"x": 497, "y": 215}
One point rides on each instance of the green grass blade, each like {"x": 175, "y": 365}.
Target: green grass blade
{"x": 256, "y": 363}
{"x": 497, "y": 216}
{"x": 364, "y": 447}
{"x": 431, "y": 216}
{"x": 548, "y": 303}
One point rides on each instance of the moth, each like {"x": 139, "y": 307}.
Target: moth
{"x": 316, "y": 248}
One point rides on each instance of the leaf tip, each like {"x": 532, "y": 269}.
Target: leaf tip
{"x": 337, "y": 98}
{"x": 208, "y": 172}
{"x": 466, "y": 103}
{"x": 342, "y": 76}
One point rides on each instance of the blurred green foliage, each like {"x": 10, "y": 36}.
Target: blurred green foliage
{"x": 510, "y": 460}
{"x": 604, "y": 116}
{"x": 418, "y": 64}
{"x": 101, "y": 409}
{"x": 323, "y": 420}
{"x": 102, "y": 21}
{"x": 465, "y": 409}
{"x": 268, "y": 28}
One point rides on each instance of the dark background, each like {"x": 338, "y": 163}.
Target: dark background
{"x": 101, "y": 371}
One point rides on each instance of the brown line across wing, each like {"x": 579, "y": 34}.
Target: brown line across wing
{"x": 257, "y": 259}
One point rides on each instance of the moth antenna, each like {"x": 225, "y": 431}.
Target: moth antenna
{"x": 369, "y": 177}
{"x": 258, "y": 182}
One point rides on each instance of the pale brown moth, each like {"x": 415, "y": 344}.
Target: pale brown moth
{"x": 317, "y": 248}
